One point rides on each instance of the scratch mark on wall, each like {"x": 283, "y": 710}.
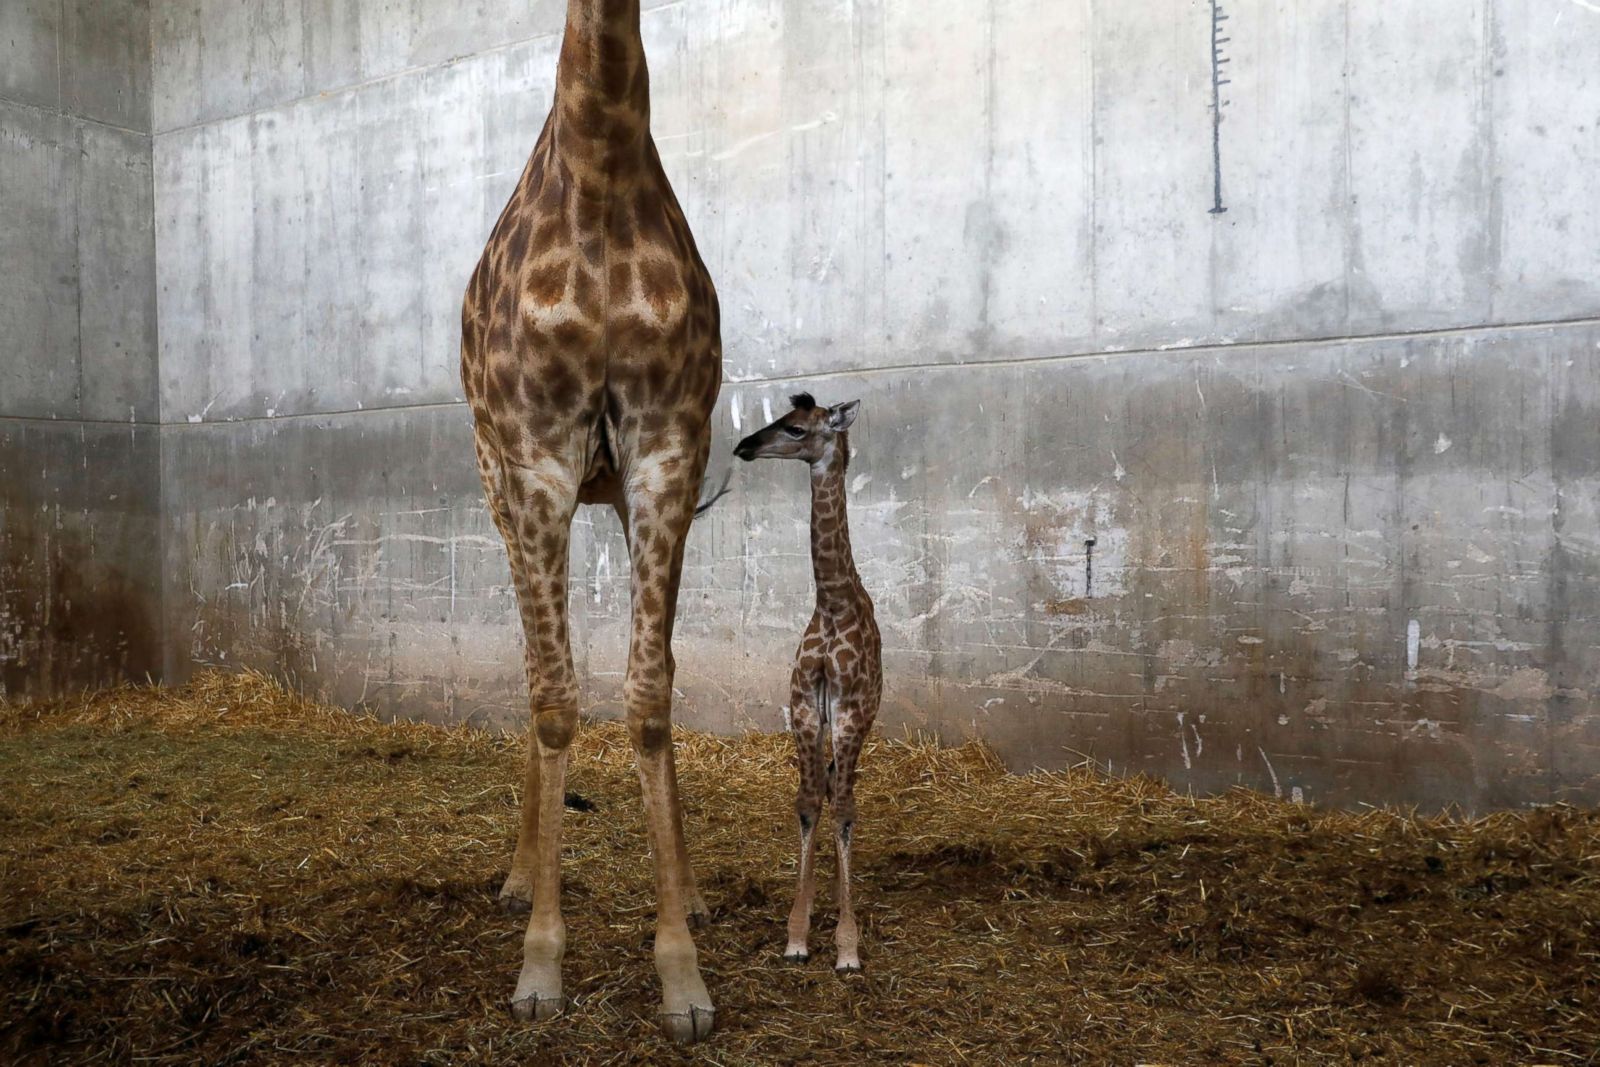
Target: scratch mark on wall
{"x": 745, "y": 144}
{"x": 1277, "y": 790}
{"x": 426, "y": 539}
{"x": 1345, "y": 380}
{"x": 602, "y": 571}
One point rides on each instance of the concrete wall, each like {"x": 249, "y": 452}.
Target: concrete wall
{"x": 1335, "y": 446}
{"x": 79, "y": 478}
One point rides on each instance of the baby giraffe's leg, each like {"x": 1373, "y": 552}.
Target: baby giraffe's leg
{"x": 847, "y": 740}
{"x": 807, "y": 726}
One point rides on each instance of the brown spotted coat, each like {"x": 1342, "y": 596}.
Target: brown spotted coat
{"x": 837, "y": 682}
{"x": 591, "y": 358}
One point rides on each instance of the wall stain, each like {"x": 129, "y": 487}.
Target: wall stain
{"x": 67, "y": 620}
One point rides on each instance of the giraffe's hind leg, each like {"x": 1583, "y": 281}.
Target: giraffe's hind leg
{"x": 539, "y": 497}
{"x": 811, "y": 762}
{"x": 660, "y": 490}
{"x": 694, "y": 903}
{"x": 516, "y": 894}
{"x": 848, "y": 736}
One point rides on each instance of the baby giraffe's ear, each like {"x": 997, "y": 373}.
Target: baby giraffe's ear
{"x": 842, "y": 415}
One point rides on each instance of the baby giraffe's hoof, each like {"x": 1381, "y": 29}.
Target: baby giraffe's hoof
{"x": 537, "y": 1009}
{"x": 689, "y": 1026}
{"x": 796, "y": 955}
{"x": 847, "y": 967}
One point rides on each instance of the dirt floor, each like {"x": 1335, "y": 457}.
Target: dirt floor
{"x": 223, "y": 873}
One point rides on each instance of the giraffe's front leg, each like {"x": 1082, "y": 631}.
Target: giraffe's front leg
{"x": 806, "y": 724}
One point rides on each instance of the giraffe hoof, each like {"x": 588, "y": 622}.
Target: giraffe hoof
{"x": 537, "y": 1009}
{"x": 794, "y": 955}
{"x": 844, "y": 967}
{"x": 516, "y": 896}
{"x": 512, "y": 902}
{"x": 687, "y": 1027}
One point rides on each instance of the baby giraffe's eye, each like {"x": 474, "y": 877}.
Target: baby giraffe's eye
{"x": 794, "y": 431}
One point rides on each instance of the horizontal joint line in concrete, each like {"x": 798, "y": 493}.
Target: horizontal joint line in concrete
{"x": 1225, "y": 346}
{"x": 848, "y": 372}
{"x": 333, "y": 413}
{"x": 73, "y": 420}
{"x": 65, "y": 114}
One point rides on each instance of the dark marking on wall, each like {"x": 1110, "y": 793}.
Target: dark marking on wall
{"x": 1218, "y": 17}
{"x": 1088, "y": 567}
{"x": 67, "y": 619}
{"x": 80, "y": 601}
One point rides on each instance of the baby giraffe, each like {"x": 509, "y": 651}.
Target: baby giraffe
{"x": 838, "y": 677}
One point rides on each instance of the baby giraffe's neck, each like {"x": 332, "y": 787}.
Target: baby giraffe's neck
{"x": 831, "y": 561}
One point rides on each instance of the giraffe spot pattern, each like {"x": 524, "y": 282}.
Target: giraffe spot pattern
{"x": 591, "y": 359}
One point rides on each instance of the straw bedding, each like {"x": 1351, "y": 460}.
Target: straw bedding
{"x": 227, "y": 873}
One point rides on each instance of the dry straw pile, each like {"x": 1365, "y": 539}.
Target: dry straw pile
{"x": 227, "y": 873}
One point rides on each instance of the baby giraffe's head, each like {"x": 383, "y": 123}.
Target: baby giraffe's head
{"x": 809, "y": 432}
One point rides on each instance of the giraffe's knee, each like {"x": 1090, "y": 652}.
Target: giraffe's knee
{"x": 555, "y": 726}
{"x": 650, "y": 731}
{"x": 647, "y": 694}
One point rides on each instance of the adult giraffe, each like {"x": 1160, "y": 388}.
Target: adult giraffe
{"x": 591, "y": 355}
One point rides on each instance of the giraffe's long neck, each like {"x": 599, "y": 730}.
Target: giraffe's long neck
{"x": 602, "y": 86}
{"x": 838, "y": 584}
